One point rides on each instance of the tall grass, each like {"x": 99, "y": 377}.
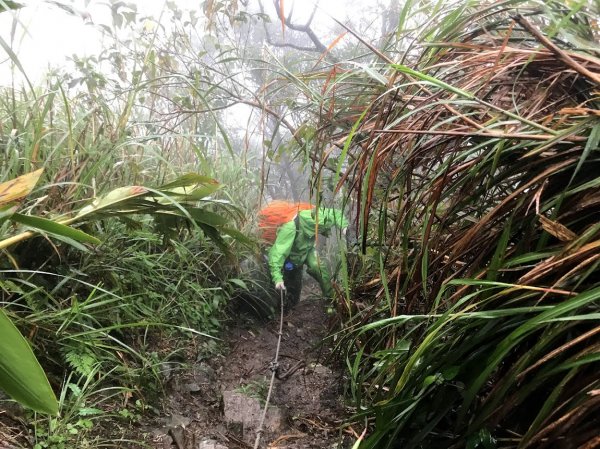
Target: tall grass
{"x": 467, "y": 148}
{"x": 472, "y": 161}
{"x": 109, "y": 322}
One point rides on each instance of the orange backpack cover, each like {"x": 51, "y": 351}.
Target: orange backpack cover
{"x": 275, "y": 214}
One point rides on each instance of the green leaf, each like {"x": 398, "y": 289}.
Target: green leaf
{"x": 203, "y": 191}
{"x": 207, "y": 217}
{"x": 213, "y": 233}
{"x": 52, "y": 227}
{"x": 21, "y": 376}
{"x": 90, "y": 411}
{"x": 239, "y": 283}
{"x": 237, "y": 235}
{"x": 528, "y": 327}
{"x": 177, "y": 194}
{"x": 591, "y": 144}
{"x": 450, "y": 372}
{"x": 429, "y": 380}
{"x": 375, "y": 75}
{"x": 6, "y": 212}
{"x": 189, "y": 179}
{"x": 112, "y": 198}
{"x": 71, "y": 242}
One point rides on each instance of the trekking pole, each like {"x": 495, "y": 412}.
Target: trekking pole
{"x": 273, "y": 367}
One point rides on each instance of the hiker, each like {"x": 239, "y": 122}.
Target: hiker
{"x": 294, "y": 246}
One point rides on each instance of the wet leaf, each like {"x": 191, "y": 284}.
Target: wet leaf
{"x": 21, "y": 376}
{"x": 52, "y": 227}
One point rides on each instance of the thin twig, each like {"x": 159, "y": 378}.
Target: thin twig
{"x": 285, "y": 376}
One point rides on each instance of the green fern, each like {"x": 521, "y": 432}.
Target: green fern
{"x": 81, "y": 360}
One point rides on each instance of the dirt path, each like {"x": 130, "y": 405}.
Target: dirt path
{"x": 219, "y": 403}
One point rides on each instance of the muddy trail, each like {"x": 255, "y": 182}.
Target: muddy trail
{"x": 219, "y": 402}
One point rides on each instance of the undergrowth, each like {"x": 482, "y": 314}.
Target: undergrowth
{"x": 111, "y": 323}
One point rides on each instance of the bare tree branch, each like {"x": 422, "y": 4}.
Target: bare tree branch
{"x": 289, "y": 17}
{"x": 312, "y": 15}
{"x": 319, "y": 46}
{"x": 290, "y": 45}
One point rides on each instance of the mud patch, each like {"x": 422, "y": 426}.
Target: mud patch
{"x": 307, "y": 399}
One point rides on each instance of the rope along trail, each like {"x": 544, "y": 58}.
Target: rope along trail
{"x": 273, "y": 367}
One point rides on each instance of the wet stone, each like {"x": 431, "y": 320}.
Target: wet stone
{"x": 178, "y": 434}
{"x": 203, "y": 373}
{"x": 191, "y": 388}
{"x": 322, "y": 371}
{"x": 176, "y": 420}
{"x": 210, "y": 444}
{"x": 241, "y": 410}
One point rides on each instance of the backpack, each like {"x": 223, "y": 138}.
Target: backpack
{"x": 275, "y": 214}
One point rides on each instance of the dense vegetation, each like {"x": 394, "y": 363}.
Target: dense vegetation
{"x": 109, "y": 310}
{"x": 461, "y": 137}
{"x": 475, "y": 169}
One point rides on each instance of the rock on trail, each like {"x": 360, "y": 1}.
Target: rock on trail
{"x": 219, "y": 403}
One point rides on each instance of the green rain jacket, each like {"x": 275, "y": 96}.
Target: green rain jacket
{"x": 298, "y": 245}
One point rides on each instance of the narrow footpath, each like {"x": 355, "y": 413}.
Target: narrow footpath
{"x": 219, "y": 403}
